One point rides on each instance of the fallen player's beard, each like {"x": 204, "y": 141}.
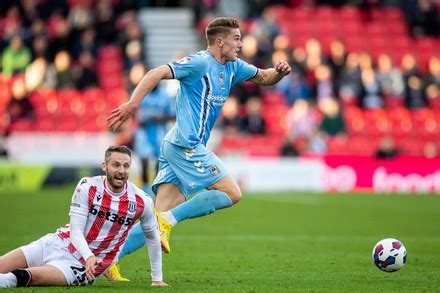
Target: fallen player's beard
{"x": 111, "y": 182}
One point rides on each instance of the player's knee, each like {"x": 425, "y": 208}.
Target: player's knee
{"x": 235, "y": 195}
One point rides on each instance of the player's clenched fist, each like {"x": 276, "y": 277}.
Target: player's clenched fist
{"x": 283, "y": 67}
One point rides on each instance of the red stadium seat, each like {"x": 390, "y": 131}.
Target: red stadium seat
{"x": 354, "y": 120}
{"x": 338, "y": 146}
{"x": 377, "y": 123}
{"x": 109, "y": 53}
{"x": 425, "y": 123}
{"x": 401, "y": 122}
{"x": 22, "y": 125}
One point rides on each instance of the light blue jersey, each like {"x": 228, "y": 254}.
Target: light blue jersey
{"x": 204, "y": 87}
{"x": 155, "y": 107}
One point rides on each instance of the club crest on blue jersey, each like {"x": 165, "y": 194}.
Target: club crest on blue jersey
{"x": 131, "y": 207}
{"x": 214, "y": 170}
{"x": 221, "y": 79}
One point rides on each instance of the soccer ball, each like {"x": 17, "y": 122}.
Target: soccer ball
{"x": 389, "y": 255}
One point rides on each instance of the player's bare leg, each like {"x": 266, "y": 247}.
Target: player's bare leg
{"x": 229, "y": 186}
{"x": 14, "y": 272}
{"x": 168, "y": 196}
{"x": 47, "y": 276}
{"x": 12, "y": 260}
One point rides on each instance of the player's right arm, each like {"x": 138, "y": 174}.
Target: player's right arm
{"x": 148, "y": 224}
{"x": 79, "y": 209}
{"x": 126, "y": 110}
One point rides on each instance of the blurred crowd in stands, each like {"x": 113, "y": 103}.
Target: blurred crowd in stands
{"x": 343, "y": 72}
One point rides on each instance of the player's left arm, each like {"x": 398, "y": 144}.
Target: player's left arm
{"x": 273, "y": 75}
{"x": 148, "y": 224}
{"x": 78, "y": 220}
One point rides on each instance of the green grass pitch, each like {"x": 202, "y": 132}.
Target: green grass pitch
{"x": 268, "y": 242}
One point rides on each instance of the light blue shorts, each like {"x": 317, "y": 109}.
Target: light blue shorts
{"x": 190, "y": 169}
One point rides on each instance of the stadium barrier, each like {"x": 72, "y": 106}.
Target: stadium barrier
{"x": 338, "y": 174}
{"x": 50, "y": 159}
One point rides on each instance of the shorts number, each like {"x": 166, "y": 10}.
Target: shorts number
{"x": 80, "y": 275}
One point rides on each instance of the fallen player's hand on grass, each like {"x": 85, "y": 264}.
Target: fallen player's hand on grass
{"x": 158, "y": 284}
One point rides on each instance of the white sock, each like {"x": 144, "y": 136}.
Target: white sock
{"x": 8, "y": 280}
{"x": 168, "y": 216}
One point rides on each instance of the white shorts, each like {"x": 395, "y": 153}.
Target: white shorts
{"x": 51, "y": 250}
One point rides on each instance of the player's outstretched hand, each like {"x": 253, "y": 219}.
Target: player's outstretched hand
{"x": 91, "y": 263}
{"x": 158, "y": 284}
{"x": 283, "y": 67}
{"x": 119, "y": 115}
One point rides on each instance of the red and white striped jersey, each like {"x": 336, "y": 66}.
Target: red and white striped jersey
{"x": 109, "y": 217}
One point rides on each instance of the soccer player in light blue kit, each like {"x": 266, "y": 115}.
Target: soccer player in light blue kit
{"x": 186, "y": 166}
{"x": 156, "y": 110}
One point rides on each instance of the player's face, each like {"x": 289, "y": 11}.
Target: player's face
{"x": 117, "y": 169}
{"x": 232, "y": 45}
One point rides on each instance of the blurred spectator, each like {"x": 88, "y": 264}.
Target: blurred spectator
{"x": 87, "y": 42}
{"x": 60, "y": 75}
{"x": 59, "y": 34}
{"x": 128, "y": 28}
{"x": 35, "y": 74}
{"x": 434, "y": 71}
{"x": 294, "y": 87}
{"x": 85, "y": 73}
{"x": 299, "y": 56}
{"x": 314, "y": 58}
{"x": 301, "y": 120}
{"x": 133, "y": 53}
{"x": 414, "y": 93}
{"x": 423, "y": 18}
{"x": 135, "y": 75}
{"x": 19, "y": 107}
{"x": 253, "y": 122}
{"x": 15, "y": 57}
{"x": 265, "y": 29}
{"x": 332, "y": 123}
{"x": 390, "y": 78}
{"x": 430, "y": 150}
{"x": 408, "y": 67}
{"x": 324, "y": 82}
{"x": 386, "y": 149}
{"x": 317, "y": 143}
{"x": 371, "y": 92}
{"x": 249, "y": 49}
{"x": 288, "y": 148}
{"x": 231, "y": 120}
{"x": 12, "y": 23}
{"x": 81, "y": 17}
{"x": 105, "y": 22}
{"x": 40, "y": 47}
{"x": 338, "y": 56}
{"x": 156, "y": 110}
{"x": 432, "y": 94}
{"x": 350, "y": 86}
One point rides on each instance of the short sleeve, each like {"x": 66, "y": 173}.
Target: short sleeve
{"x": 191, "y": 67}
{"x": 80, "y": 200}
{"x": 243, "y": 71}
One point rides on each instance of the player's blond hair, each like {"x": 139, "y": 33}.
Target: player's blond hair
{"x": 220, "y": 26}
{"x": 117, "y": 149}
